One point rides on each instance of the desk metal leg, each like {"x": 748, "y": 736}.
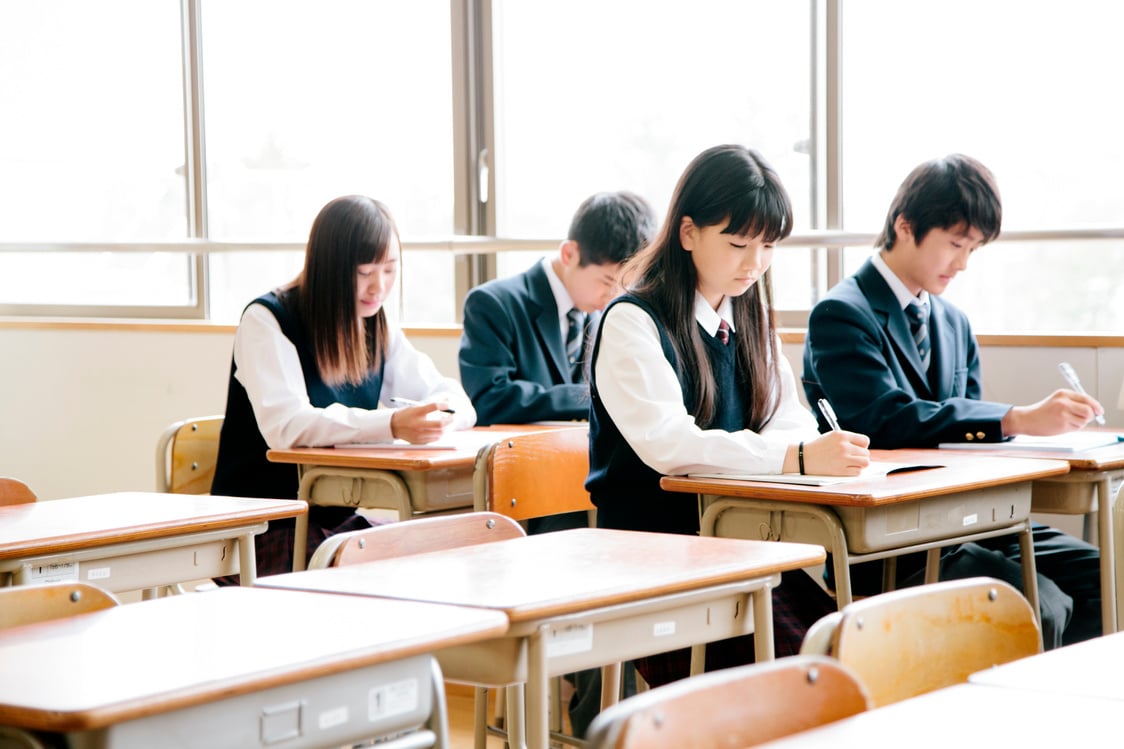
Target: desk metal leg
{"x": 439, "y": 719}
{"x": 610, "y": 684}
{"x": 1106, "y": 509}
{"x": 1030, "y": 572}
{"x": 763, "y": 623}
{"x": 247, "y": 560}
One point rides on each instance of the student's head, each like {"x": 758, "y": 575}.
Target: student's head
{"x": 607, "y": 229}
{"x": 943, "y": 211}
{"x": 728, "y": 210}
{"x": 350, "y": 265}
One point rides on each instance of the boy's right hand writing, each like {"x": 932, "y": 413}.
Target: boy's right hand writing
{"x": 837, "y": 453}
{"x": 420, "y": 424}
{"x": 1062, "y": 411}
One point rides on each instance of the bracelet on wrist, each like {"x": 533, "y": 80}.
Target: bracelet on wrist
{"x": 800, "y": 457}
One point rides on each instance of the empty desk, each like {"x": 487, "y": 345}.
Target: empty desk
{"x": 1090, "y": 669}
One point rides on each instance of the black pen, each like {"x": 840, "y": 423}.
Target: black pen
{"x": 829, "y": 414}
{"x": 409, "y": 402}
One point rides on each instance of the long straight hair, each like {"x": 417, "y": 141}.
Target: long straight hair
{"x": 734, "y": 186}
{"x": 348, "y": 232}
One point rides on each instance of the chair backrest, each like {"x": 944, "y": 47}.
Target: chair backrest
{"x": 413, "y": 537}
{"x": 14, "y": 492}
{"x": 186, "y": 453}
{"x": 534, "y": 474}
{"x": 911, "y": 641}
{"x": 734, "y": 707}
{"x": 27, "y": 604}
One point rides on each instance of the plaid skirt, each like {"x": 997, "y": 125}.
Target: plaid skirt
{"x": 798, "y": 602}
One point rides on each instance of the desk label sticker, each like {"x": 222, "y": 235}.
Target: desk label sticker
{"x": 663, "y": 629}
{"x": 569, "y": 639}
{"x": 971, "y": 519}
{"x": 392, "y": 699}
{"x": 337, "y": 716}
{"x": 54, "y": 573}
{"x": 97, "y": 573}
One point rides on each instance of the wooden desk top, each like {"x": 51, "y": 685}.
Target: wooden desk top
{"x": 1089, "y": 668}
{"x": 467, "y": 444}
{"x": 84, "y": 522}
{"x": 94, "y": 670}
{"x": 968, "y": 715}
{"x": 558, "y": 573}
{"x": 958, "y": 473}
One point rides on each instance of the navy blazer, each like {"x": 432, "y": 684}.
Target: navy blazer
{"x": 512, "y": 358}
{"x": 860, "y": 355}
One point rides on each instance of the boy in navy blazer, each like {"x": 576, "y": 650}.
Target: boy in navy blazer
{"x": 901, "y": 365}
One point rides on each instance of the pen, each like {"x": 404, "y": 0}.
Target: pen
{"x": 410, "y": 402}
{"x": 829, "y": 414}
{"x": 1071, "y": 377}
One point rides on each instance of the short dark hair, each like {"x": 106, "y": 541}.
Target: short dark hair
{"x": 942, "y": 194}
{"x": 610, "y": 227}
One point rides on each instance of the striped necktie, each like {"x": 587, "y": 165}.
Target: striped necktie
{"x": 723, "y": 334}
{"x": 574, "y": 343}
{"x": 918, "y": 316}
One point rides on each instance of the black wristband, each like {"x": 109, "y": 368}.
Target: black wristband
{"x": 800, "y": 457}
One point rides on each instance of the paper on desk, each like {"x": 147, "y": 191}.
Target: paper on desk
{"x": 1070, "y": 442}
{"x": 469, "y": 439}
{"x": 876, "y": 469}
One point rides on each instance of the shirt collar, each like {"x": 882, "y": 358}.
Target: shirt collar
{"x": 562, "y": 297}
{"x": 901, "y": 293}
{"x": 709, "y": 318}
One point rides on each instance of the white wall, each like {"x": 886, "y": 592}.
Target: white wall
{"x": 81, "y": 409}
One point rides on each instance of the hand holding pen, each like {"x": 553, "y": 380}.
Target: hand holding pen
{"x": 1071, "y": 377}
{"x": 411, "y": 402}
{"x": 837, "y": 453}
{"x": 419, "y": 423}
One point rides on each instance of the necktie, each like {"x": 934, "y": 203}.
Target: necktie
{"x": 574, "y": 343}
{"x": 918, "y": 316}
{"x": 723, "y": 334}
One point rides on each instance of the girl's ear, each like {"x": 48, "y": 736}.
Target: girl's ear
{"x": 687, "y": 232}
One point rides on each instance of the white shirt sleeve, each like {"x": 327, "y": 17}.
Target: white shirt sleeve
{"x": 267, "y": 365}
{"x": 642, "y": 395}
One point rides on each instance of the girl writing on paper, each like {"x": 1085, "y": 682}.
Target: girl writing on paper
{"x": 312, "y": 362}
{"x": 687, "y": 376}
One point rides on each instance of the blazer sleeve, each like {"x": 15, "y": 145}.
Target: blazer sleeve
{"x": 493, "y": 367}
{"x": 855, "y": 366}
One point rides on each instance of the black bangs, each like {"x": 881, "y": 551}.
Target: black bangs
{"x": 763, "y": 211}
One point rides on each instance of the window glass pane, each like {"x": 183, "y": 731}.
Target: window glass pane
{"x": 337, "y": 97}
{"x": 1027, "y": 88}
{"x": 636, "y": 90}
{"x": 92, "y": 148}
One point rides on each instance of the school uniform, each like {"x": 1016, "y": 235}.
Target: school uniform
{"x": 277, "y": 399}
{"x": 642, "y": 427}
{"x": 861, "y": 355}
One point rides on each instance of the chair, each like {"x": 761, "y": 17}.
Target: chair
{"x": 417, "y": 537}
{"x": 911, "y": 641}
{"x": 734, "y": 707}
{"x": 15, "y": 492}
{"x": 27, "y": 604}
{"x": 186, "y": 453}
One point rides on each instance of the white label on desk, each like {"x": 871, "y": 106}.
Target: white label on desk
{"x": 97, "y": 573}
{"x": 54, "y": 573}
{"x": 392, "y": 699}
{"x": 663, "y": 629}
{"x": 570, "y": 639}
{"x": 971, "y": 519}
{"x": 337, "y": 716}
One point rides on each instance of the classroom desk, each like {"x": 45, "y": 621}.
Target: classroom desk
{"x": 409, "y": 480}
{"x": 968, "y": 498}
{"x": 236, "y": 667}
{"x": 133, "y": 540}
{"x": 968, "y": 715}
{"x": 1085, "y": 669}
{"x": 1090, "y": 488}
{"x": 580, "y": 599}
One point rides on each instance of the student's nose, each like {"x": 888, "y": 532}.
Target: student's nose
{"x": 962, "y": 259}
{"x": 754, "y": 259}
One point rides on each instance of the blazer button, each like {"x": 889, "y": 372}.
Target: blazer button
{"x": 969, "y": 436}
{"x": 980, "y": 435}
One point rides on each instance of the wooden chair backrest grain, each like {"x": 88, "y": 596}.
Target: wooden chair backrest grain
{"x": 414, "y": 537}
{"x": 15, "y": 492}
{"x": 186, "y": 454}
{"x": 733, "y": 708}
{"x": 27, "y": 604}
{"x": 911, "y": 641}
{"x": 534, "y": 474}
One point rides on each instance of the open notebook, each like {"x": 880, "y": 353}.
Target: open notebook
{"x": 876, "y": 469}
{"x": 467, "y": 439}
{"x": 1070, "y": 442}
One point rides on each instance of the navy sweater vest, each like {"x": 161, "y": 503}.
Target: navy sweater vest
{"x": 242, "y": 469}
{"x": 625, "y": 490}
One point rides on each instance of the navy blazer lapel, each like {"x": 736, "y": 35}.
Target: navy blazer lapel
{"x": 943, "y": 361}
{"x": 546, "y": 321}
{"x": 889, "y": 311}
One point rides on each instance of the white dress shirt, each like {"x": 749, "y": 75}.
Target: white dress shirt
{"x": 642, "y": 395}
{"x": 266, "y": 363}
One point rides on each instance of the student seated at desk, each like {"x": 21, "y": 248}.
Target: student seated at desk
{"x": 912, "y": 379}
{"x": 688, "y": 376}
{"x": 312, "y": 362}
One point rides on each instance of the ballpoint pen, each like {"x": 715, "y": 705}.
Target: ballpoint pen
{"x": 411, "y": 402}
{"x": 1071, "y": 377}
{"x": 829, "y": 414}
